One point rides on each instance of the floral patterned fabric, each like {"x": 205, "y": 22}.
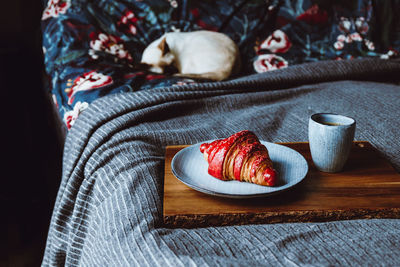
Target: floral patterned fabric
{"x": 91, "y": 47}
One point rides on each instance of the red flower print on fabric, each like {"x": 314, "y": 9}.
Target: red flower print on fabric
{"x": 338, "y": 45}
{"x": 88, "y": 81}
{"x": 269, "y": 62}
{"x": 127, "y": 23}
{"x": 109, "y": 44}
{"x": 196, "y": 14}
{"x": 55, "y": 7}
{"x": 71, "y": 116}
{"x": 131, "y": 75}
{"x": 345, "y": 25}
{"x": 314, "y": 15}
{"x": 277, "y": 42}
{"x": 173, "y": 3}
{"x": 361, "y": 25}
{"x": 370, "y": 45}
{"x": 354, "y": 30}
{"x": 184, "y": 82}
{"x": 151, "y": 77}
{"x": 54, "y": 98}
{"x": 390, "y": 54}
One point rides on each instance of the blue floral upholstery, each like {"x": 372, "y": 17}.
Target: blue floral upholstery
{"x": 91, "y": 47}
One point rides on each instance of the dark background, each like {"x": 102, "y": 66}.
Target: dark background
{"x": 31, "y": 150}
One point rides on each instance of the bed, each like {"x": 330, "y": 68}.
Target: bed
{"x": 299, "y": 58}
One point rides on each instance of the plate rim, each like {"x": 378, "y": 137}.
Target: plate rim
{"x": 252, "y": 195}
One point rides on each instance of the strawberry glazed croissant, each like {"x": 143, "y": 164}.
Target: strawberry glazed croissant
{"x": 239, "y": 157}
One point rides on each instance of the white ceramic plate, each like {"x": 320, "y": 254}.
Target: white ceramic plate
{"x": 190, "y": 167}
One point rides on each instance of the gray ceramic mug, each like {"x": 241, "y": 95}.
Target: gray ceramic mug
{"x": 330, "y": 137}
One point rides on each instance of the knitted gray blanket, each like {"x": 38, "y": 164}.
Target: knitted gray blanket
{"x": 108, "y": 210}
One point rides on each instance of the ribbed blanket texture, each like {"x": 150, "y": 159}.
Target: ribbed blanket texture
{"x": 108, "y": 210}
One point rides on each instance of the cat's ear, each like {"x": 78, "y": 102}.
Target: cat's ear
{"x": 163, "y": 46}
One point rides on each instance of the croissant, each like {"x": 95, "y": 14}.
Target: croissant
{"x": 240, "y": 157}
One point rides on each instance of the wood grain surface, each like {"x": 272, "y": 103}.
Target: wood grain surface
{"x": 368, "y": 187}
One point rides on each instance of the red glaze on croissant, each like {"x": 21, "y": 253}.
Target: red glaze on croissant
{"x": 240, "y": 157}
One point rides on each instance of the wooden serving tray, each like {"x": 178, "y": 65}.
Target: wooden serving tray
{"x": 368, "y": 187}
